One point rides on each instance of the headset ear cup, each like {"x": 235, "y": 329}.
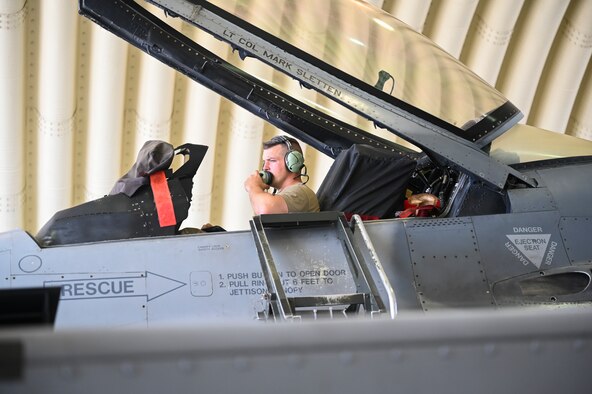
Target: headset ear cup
{"x": 294, "y": 161}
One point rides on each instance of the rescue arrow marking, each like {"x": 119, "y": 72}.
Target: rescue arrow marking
{"x": 149, "y": 285}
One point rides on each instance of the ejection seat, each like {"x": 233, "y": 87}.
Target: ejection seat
{"x": 367, "y": 181}
{"x": 150, "y": 200}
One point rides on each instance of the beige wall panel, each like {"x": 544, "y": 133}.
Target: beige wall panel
{"x": 132, "y": 89}
{"x": 580, "y": 122}
{"x": 489, "y": 36}
{"x": 563, "y": 72}
{"x": 12, "y": 114}
{"x": 106, "y": 97}
{"x": 413, "y": 13}
{"x": 84, "y": 78}
{"x": 245, "y": 134}
{"x": 155, "y": 95}
{"x": 200, "y": 126}
{"x": 528, "y": 51}
{"x": 376, "y": 3}
{"x": 218, "y": 186}
{"x": 449, "y": 23}
{"x": 155, "y": 101}
{"x": 55, "y": 107}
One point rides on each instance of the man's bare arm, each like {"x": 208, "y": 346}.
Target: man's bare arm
{"x": 261, "y": 201}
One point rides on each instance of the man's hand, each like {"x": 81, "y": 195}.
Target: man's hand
{"x": 254, "y": 182}
{"x": 261, "y": 201}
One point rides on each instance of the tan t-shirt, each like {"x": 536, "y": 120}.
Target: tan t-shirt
{"x": 300, "y": 198}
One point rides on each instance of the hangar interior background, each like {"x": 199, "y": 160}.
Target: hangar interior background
{"x": 77, "y": 103}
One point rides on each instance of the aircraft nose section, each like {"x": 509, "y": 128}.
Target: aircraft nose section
{"x": 5, "y": 242}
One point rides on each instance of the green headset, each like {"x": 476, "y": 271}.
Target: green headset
{"x": 293, "y": 159}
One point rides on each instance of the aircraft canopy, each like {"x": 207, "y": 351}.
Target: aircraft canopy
{"x": 375, "y": 48}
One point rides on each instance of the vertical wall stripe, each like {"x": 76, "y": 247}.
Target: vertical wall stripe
{"x": 55, "y": 107}
{"x": 200, "y": 124}
{"x": 413, "y": 13}
{"x": 580, "y": 122}
{"x": 489, "y": 37}
{"x": 562, "y": 77}
{"x": 106, "y": 99}
{"x": 449, "y": 24}
{"x": 528, "y": 51}
{"x": 12, "y": 114}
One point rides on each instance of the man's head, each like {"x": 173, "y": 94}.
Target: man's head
{"x": 282, "y": 156}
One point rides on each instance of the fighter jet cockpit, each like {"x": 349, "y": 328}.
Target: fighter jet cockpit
{"x": 375, "y": 82}
{"x": 372, "y": 57}
{"x": 399, "y": 116}
{"x": 373, "y": 63}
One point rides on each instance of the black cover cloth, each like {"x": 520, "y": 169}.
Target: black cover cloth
{"x": 152, "y": 157}
{"x": 368, "y": 181}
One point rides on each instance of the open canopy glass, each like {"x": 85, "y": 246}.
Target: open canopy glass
{"x": 379, "y": 51}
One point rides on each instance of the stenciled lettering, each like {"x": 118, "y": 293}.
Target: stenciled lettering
{"x": 98, "y": 288}
{"x": 527, "y": 229}
{"x": 516, "y": 253}
{"x": 551, "y": 253}
{"x": 277, "y": 60}
{"x": 293, "y": 282}
{"x": 227, "y": 33}
{"x": 315, "y": 81}
{"x": 248, "y": 44}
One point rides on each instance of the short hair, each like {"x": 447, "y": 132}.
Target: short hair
{"x": 281, "y": 140}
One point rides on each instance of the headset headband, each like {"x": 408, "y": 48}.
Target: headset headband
{"x": 287, "y": 142}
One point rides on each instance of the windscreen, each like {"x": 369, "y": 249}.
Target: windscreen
{"x": 377, "y": 49}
